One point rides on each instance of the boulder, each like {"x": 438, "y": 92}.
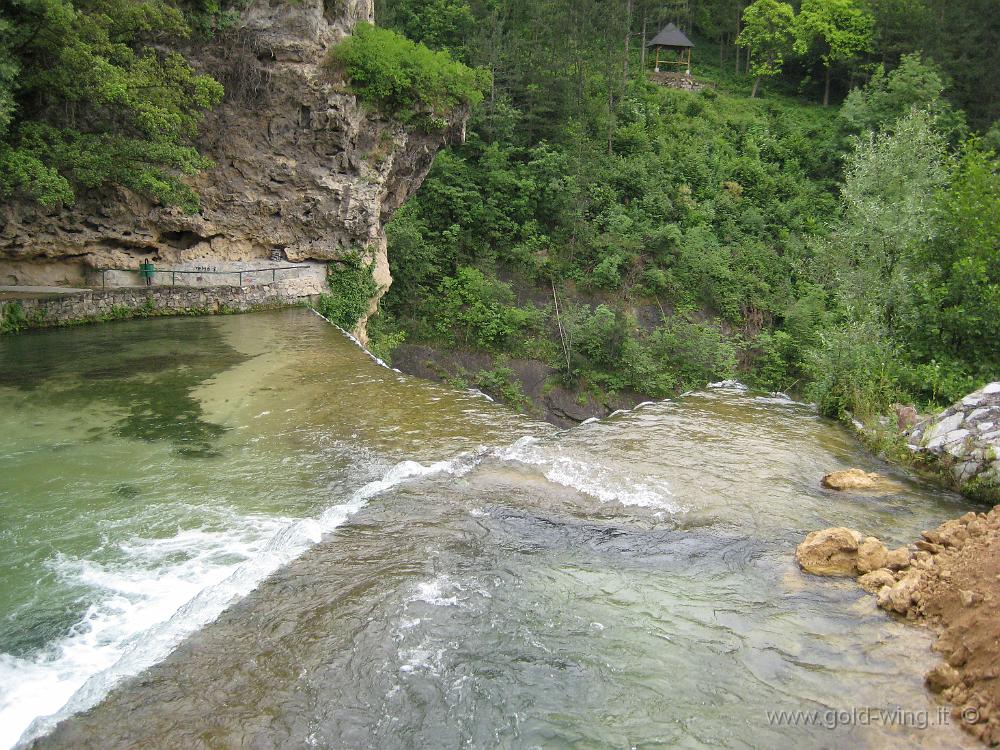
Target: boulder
{"x": 830, "y": 552}
{"x": 942, "y": 677}
{"x": 962, "y": 442}
{"x": 953, "y": 534}
{"x": 906, "y": 417}
{"x": 874, "y": 581}
{"x": 872, "y": 555}
{"x": 897, "y": 558}
{"x": 856, "y": 479}
{"x": 900, "y": 596}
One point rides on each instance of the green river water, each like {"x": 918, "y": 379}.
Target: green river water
{"x": 243, "y": 532}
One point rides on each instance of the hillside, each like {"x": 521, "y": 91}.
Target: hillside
{"x": 689, "y": 236}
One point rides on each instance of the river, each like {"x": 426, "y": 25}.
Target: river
{"x": 240, "y": 531}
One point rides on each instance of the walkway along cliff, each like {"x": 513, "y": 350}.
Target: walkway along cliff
{"x": 304, "y": 172}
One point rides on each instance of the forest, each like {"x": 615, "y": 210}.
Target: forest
{"x": 822, "y": 217}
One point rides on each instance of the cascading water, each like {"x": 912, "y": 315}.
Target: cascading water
{"x": 294, "y": 547}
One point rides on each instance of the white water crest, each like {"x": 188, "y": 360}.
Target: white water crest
{"x": 146, "y": 604}
{"x": 591, "y": 479}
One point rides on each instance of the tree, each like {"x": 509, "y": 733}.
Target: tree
{"x": 889, "y": 96}
{"x": 837, "y": 29}
{"x": 89, "y": 96}
{"x": 958, "y": 311}
{"x": 768, "y": 30}
{"x": 891, "y": 180}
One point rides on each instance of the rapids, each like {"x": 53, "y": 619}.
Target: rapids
{"x": 243, "y": 532}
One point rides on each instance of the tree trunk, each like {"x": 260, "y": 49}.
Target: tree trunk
{"x": 739, "y": 25}
{"x": 826, "y": 88}
{"x": 642, "y": 52}
{"x": 628, "y": 43}
{"x": 756, "y": 83}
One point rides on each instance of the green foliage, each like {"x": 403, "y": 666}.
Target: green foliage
{"x": 860, "y": 270}
{"x": 404, "y": 78}
{"x": 384, "y": 336}
{"x": 480, "y": 310}
{"x": 695, "y": 352}
{"x": 90, "y": 97}
{"x": 440, "y": 24}
{"x": 13, "y": 319}
{"x": 351, "y": 291}
{"x": 888, "y": 194}
{"x": 853, "y": 371}
{"x": 501, "y": 382}
{"x": 886, "y": 98}
{"x": 836, "y": 30}
{"x": 768, "y": 31}
{"x": 956, "y": 316}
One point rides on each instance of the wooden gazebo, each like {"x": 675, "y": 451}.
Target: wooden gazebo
{"x": 676, "y": 48}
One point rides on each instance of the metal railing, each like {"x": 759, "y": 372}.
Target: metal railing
{"x": 174, "y": 272}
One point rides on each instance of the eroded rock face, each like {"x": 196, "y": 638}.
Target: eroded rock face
{"x": 964, "y": 440}
{"x": 303, "y": 171}
{"x": 830, "y": 552}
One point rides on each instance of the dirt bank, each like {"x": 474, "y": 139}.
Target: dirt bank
{"x": 948, "y": 580}
{"x": 532, "y": 385}
{"x": 958, "y": 594}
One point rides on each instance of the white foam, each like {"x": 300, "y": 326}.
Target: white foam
{"x": 146, "y": 603}
{"x": 730, "y": 385}
{"x": 432, "y": 592}
{"x": 596, "y": 481}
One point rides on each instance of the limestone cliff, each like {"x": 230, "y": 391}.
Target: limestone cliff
{"x": 303, "y": 170}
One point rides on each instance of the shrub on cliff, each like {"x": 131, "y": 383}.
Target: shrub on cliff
{"x": 402, "y": 78}
{"x": 89, "y": 96}
{"x": 351, "y": 290}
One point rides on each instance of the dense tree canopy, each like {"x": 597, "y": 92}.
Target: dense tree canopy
{"x": 89, "y": 96}
{"x": 768, "y": 32}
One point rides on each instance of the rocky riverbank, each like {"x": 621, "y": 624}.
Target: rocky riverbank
{"x": 962, "y": 443}
{"x": 948, "y": 580}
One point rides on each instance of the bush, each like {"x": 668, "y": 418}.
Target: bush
{"x": 501, "y": 382}
{"x": 481, "y": 310}
{"x": 854, "y": 371}
{"x": 403, "y": 78}
{"x": 384, "y": 336}
{"x": 695, "y": 353}
{"x": 351, "y": 290}
{"x": 91, "y": 96}
{"x": 13, "y": 319}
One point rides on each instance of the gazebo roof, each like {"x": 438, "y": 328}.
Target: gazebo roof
{"x": 670, "y": 36}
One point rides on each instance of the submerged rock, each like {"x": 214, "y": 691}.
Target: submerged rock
{"x": 857, "y": 479}
{"x": 830, "y": 552}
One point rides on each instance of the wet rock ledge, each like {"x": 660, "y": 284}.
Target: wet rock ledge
{"x": 948, "y": 580}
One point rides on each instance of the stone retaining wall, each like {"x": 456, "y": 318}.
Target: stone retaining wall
{"x": 113, "y": 304}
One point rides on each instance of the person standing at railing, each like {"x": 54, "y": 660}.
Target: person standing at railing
{"x": 146, "y": 272}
